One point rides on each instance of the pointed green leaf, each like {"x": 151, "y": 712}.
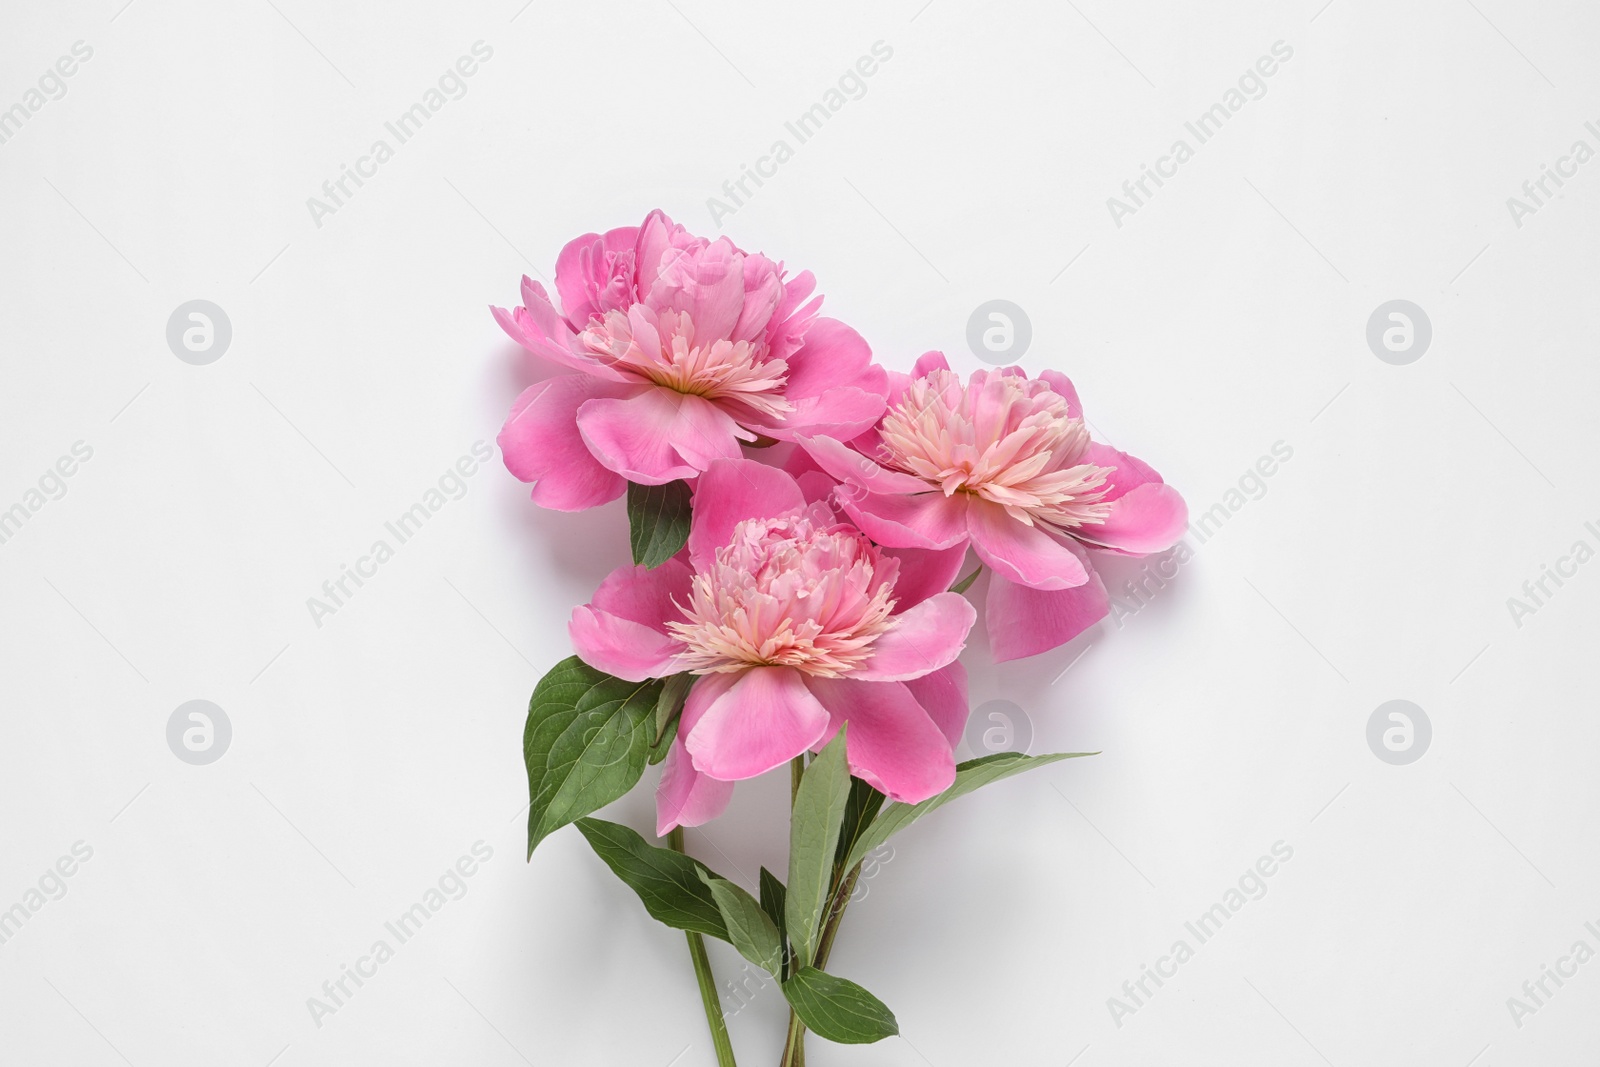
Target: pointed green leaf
{"x": 749, "y": 928}
{"x": 971, "y": 775}
{"x": 658, "y": 521}
{"x": 813, "y": 835}
{"x": 668, "y": 708}
{"x": 772, "y": 894}
{"x": 669, "y": 883}
{"x": 585, "y": 744}
{"x": 859, "y": 811}
{"x": 838, "y": 1009}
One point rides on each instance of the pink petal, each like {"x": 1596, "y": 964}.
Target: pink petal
{"x": 843, "y": 412}
{"x": 831, "y": 355}
{"x": 943, "y": 695}
{"x": 708, "y": 283}
{"x": 657, "y": 236}
{"x": 730, "y": 491}
{"x": 923, "y": 639}
{"x": 633, "y": 435}
{"x": 927, "y": 520}
{"x": 684, "y": 796}
{"x": 1062, "y": 386}
{"x": 924, "y": 572}
{"x": 762, "y": 721}
{"x": 763, "y": 292}
{"x": 540, "y": 443}
{"x": 630, "y": 650}
{"x": 582, "y": 279}
{"x": 1025, "y": 622}
{"x": 899, "y": 383}
{"x": 848, "y": 465}
{"x": 1022, "y": 553}
{"x": 645, "y": 595}
{"x": 892, "y": 744}
{"x": 539, "y": 328}
{"x": 704, "y": 433}
{"x": 575, "y": 280}
{"x": 1149, "y": 518}
{"x": 790, "y": 320}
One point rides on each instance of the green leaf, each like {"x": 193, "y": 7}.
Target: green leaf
{"x": 749, "y": 928}
{"x": 838, "y": 1009}
{"x": 585, "y": 743}
{"x": 658, "y": 521}
{"x": 966, "y": 583}
{"x": 668, "y": 707}
{"x": 859, "y": 811}
{"x": 669, "y": 883}
{"x": 772, "y": 894}
{"x": 971, "y": 775}
{"x": 813, "y": 835}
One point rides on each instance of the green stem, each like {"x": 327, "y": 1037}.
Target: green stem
{"x": 794, "y": 1050}
{"x": 707, "y": 981}
{"x": 794, "y": 1047}
{"x": 836, "y": 906}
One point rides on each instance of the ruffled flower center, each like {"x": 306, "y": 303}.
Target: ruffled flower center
{"x": 798, "y": 591}
{"x": 1003, "y": 438}
{"x": 659, "y": 347}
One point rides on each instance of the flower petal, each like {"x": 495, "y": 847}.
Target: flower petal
{"x": 892, "y": 743}
{"x": 843, "y": 412}
{"x": 633, "y": 435}
{"x": 923, "y": 639}
{"x": 927, "y": 520}
{"x": 762, "y": 721}
{"x": 630, "y": 650}
{"x": 643, "y": 594}
{"x": 1147, "y": 515}
{"x": 540, "y": 443}
{"x": 851, "y": 467}
{"x": 539, "y": 328}
{"x": 925, "y": 572}
{"x": 708, "y": 283}
{"x": 704, "y": 433}
{"x": 943, "y": 695}
{"x": 832, "y": 354}
{"x": 1022, "y": 553}
{"x": 1062, "y": 386}
{"x": 1025, "y": 622}
{"x": 730, "y": 491}
{"x": 684, "y": 796}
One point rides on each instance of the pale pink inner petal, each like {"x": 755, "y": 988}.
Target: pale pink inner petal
{"x": 1001, "y": 438}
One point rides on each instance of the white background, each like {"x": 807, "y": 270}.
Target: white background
{"x": 1226, "y": 315}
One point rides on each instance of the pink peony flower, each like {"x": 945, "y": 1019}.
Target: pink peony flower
{"x": 680, "y": 349}
{"x": 1004, "y": 463}
{"x": 795, "y": 623}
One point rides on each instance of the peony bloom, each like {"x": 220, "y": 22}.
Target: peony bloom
{"x": 795, "y": 623}
{"x": 678, "y": 349}
{"x": 1004, "y": 463}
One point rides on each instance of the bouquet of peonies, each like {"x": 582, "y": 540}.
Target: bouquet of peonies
{"x": 799, "y": 519}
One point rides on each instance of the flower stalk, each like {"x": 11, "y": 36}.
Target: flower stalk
{"x": 708, "y": 982}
